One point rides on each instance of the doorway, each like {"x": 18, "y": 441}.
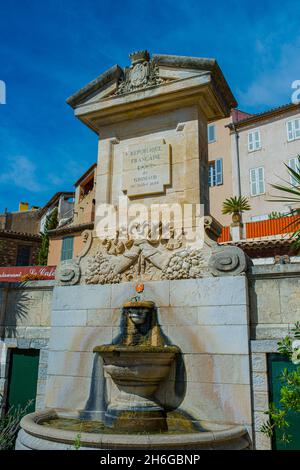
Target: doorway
{"x": 22, "y": 378}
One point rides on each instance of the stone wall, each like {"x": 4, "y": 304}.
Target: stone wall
{"x": 274, "y": 308}
{"x": 9, "y": 248}
{"x": 25, "y": 311}
{"x": 208, "y": 320}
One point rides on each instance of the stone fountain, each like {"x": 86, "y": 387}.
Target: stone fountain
{"x": 138, "y": 361}
{"x": 143, "y": 392}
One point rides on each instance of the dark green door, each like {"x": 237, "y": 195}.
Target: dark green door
{"x": 23, "y": 376}
{"x": 276, "y": 364}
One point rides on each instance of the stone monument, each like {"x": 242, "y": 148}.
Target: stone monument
{"x": 151, "y": 120}
{"x": 152, "y": 125}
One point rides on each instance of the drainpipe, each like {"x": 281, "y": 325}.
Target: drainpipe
{"x": 236, "y": 134}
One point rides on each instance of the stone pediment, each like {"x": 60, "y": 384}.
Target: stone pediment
{"x": 154, "y": 79}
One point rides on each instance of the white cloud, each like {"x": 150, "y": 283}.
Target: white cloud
{"x": 272, "y": 85}
{"x": 21, "y": 172}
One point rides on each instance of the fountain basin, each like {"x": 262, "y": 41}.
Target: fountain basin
{"x": 36, "y": 436}
{"x": 137, "y": 371}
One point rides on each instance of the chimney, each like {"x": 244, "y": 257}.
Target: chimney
{"x": 23, "y": 206}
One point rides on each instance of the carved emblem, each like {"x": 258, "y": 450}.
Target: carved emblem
{"x": 142, "y": 73}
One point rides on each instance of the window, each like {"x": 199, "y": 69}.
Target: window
{"x": 67, "y": 248}
{"x": 254, "y": 141}
{"x": 23, "y": 255}
{"x": 257, "y": 181}
{"x": 293, "y": 129}
{"x": 215, "y": 172}
{"x": 293, "y": 163}
{"x": 211, "y": 133}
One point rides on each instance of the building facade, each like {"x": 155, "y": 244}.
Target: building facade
{"x": 65, "y": 241}
{"x": 220, "y": 163}
{"x": 20, "y": 236}
{"x": 247, "y": 154}
{"x": 266, "y": 142}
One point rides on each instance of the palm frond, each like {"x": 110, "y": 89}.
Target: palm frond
{"x": 236, "y": 204}
{"x": 293, "y": 189}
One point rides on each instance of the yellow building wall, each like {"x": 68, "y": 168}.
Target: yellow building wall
{"x": 54, "y": 251}
{"x": 221, "y": 148}
{"x": 55, "y": 245}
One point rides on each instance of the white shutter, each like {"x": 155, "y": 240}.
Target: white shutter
{"x": 297, "y": 128}
{"x": 257, "y": 181}
{"x": 250, "y": 141}
{"x": 290, "y": 132}
{"x": 219, "y": 171}
{"x": 293, "y": 165}
{"x": 256, "y": 140}
{"x": 253, "y": 185}
{"x": 261, "y": 180}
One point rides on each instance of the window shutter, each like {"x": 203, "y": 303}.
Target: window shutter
{"x": 67, "y": 248}
{"x": 297, "y": 128}
{"x": 290, "y": 133}
{"x": 211, "y": 133}
{"x": 250, "y": 141}
{"x": 261, "y": 180}
{"x": 256, "y": 140}
{"x": 253, "y": 189}
{"x": 293, "y": 165}
{"x": 219, "y": 171}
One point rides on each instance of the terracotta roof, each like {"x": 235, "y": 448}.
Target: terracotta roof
{"x": 261, "y": 243}
{"x": 71, "y": 229}
{"x": 264, "y": 115}
{"x": 264, "y": 247}
{"x": 20, "y": 235}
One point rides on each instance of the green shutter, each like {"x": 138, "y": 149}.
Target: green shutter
{"x": 276, "y": 364}
{"x": 67, "y": 248}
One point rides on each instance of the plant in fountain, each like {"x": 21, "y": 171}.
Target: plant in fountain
{"x": 235, "y": 206}
{"x": 290, "y": 389}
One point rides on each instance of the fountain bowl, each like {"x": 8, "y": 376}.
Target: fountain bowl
{"x": 137, "y": 372}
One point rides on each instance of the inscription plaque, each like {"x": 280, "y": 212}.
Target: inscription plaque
{"x": 146, "y": 168}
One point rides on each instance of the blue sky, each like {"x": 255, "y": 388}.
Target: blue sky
{"x": 51, "y": 48}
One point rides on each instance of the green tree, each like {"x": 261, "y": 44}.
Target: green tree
{"x": 275, "y": 215}
{"x": 50, "y": 224}
{"x": 289, "y": 392}
{"x": 235, "y": 206}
